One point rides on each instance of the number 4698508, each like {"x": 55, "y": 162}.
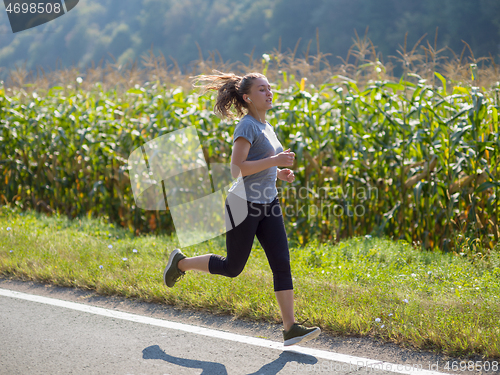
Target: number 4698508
{"x": 471, "y": 366}
{"x": 34, "y": 8}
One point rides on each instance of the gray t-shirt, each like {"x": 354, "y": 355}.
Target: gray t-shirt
{"x": 259, "y": 187}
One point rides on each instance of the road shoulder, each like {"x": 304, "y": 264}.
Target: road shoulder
{"x": 355, "y": 346}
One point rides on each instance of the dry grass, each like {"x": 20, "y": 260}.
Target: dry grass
{"x": 362, "y": 64}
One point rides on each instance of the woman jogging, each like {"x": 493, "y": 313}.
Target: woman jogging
{"x": 256, "y": 155}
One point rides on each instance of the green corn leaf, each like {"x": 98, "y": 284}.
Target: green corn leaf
{"x": 443, "y": 81}
{"x": 417, "y": 190}
{"x": 494, "y": 112}
{"x": 135, "y": 91}
{"x": 486, "y": 185}
{"x": 457, "y": 115}
{"x": 387, "y": 216}
{"x": 473, "y": 70}
{"x": 414, "y": 75}
{"x": 55, "y": 88}
{"x": 462, "y": 90}
{"x": 395, "y": 86}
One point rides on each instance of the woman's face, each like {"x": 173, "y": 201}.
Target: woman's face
{"x": 261, "y": 94}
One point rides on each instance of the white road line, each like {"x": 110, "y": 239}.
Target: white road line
{"x": 350, "y": 362}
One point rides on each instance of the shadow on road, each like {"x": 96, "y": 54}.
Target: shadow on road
{"x": 214, "y": 368}
{"x": 209, "y": 368}
{"x": 272, "y": 368}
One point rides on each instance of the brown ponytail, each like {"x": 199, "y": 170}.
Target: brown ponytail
{"x": 230, "y": 89}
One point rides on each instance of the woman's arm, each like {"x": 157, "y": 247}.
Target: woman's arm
{"x": 239, "y": 160}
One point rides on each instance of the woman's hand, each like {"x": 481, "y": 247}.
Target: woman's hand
{"x": 285, "y": 158}
{"x": 286, "y": 175}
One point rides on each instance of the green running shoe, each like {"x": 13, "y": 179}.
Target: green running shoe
{"x": 172, "y": 273}
{"x": 298, "y": 333}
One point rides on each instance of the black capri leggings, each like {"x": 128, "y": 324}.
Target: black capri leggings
{"x": 265, "y": 221}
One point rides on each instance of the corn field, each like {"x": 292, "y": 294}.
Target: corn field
{"x": 413, "y": 158}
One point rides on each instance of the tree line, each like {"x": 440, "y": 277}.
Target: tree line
{"x": 123, "y": 30}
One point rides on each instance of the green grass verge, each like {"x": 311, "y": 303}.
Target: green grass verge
{"x": 363, "y": 287}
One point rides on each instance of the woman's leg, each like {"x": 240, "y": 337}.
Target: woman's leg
{"x": 239, "y": 242}
{"x": 272, "y": 236}
{"x": 285, "y": 302}
{"x": 198, "y": 263}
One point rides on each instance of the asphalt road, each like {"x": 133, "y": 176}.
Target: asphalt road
{"x": 39, "y": 338}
